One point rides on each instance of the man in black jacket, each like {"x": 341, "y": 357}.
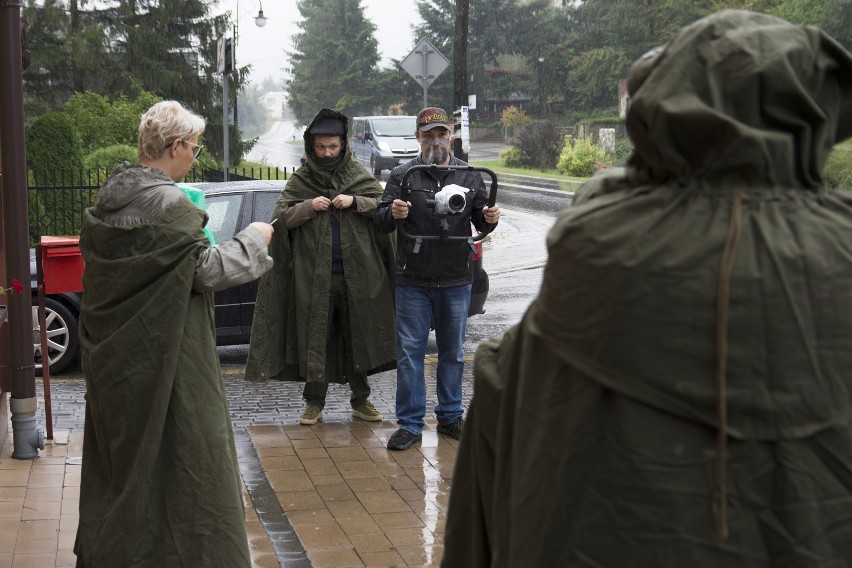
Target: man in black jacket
{"x": 433, "y": 277}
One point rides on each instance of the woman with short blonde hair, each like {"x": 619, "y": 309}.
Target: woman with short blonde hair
{"x": 164, "y": 123}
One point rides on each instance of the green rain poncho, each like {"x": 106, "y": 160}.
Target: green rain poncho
{"x": 679, "y": 394}
{"x": 160, "y": 482}
{"x": 290, "y": 328}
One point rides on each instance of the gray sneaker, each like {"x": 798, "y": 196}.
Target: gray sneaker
{"x": 310, "y": 414}
{"x": 366, "y": 411}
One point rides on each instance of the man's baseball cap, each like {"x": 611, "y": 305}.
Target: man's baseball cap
{"x": 432, "y": 117}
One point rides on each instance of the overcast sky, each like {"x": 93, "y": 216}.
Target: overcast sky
{"x": 266, "y": 48}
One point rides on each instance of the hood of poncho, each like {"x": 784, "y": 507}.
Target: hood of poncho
{"x": 125, "y": 184}
{"x": 310, "y": 159}
{"x": 730, "y": 96}
{"x": 718, "y": 246}
{"x": 311, "y": 180}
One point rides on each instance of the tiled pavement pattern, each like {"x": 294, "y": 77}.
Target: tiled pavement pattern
{"x": 350, "y": 500}
{"x": 38, "y": 505}
{"x": 324, "y": 495}
{"x": 38, "y": 508}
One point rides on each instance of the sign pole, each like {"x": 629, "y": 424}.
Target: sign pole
{"x": 425, "y": 55}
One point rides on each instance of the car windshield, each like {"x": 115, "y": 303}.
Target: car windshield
{"x": 395, "y": 126}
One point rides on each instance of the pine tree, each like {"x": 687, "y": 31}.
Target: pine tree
{"x": 124, "y": 47}
{"x": 334, "y": 60}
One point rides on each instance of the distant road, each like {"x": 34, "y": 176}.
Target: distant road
{"x": 275, "y": 146}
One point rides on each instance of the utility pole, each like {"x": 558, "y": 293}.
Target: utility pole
{"x": 226, "y": 64}
{"x": 460, "y": 94}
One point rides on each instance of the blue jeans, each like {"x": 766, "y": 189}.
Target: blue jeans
{"x": 416, "y": 308}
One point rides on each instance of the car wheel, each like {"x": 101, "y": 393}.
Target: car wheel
{"x": 62, "y": 340}
{"x": 377, "y": 171}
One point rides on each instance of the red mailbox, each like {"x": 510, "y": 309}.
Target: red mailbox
{"x": 60, "y": 270}
{"x": 62, "y": 264}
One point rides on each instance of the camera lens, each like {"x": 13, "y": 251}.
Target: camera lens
{"x": 456, "y": 202}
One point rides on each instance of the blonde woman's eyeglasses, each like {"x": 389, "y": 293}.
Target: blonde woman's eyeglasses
{"x": 196, "y": 151}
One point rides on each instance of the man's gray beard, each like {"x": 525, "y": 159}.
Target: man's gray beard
{"x": 436, "y": 155}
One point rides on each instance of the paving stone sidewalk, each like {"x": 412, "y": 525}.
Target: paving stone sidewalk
{"x": 325, "y": 495}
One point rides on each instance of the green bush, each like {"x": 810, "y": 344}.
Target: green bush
{"x": 540, "y": 145}
{"x": 54, "y": 156}
{"x": 511, "y": 118}
{"x": 513, "y": 157}
{"x": 106, "y": 159}
{"x": 623, "y": 150}
{"x": 53, "y": 143}
{"x": 581, "y": 158}
{"x": 838, "y": 170}
{"x": 102, "y": 123}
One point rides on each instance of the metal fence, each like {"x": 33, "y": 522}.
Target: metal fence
{"x": 57, "y": 198}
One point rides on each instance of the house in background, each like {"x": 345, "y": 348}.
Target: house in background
{"x": 274, "y": 102}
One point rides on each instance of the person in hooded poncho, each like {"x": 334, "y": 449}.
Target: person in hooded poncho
{"x": 680, "y": 391}
{"x": 325, "y": 313}
{"x": 160, "y": 483}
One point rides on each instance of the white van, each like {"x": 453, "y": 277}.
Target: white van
{"x": 384, "y": 142}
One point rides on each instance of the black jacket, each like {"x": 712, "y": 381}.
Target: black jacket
{"x": 438, "y": 263}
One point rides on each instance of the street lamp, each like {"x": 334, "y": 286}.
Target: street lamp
{"x": 540, "y": 89}
{"x": 231, "y": 65}
{"x": 260, "y": 19}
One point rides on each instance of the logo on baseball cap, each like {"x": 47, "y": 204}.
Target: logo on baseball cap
{"x": 432, "y": 117}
